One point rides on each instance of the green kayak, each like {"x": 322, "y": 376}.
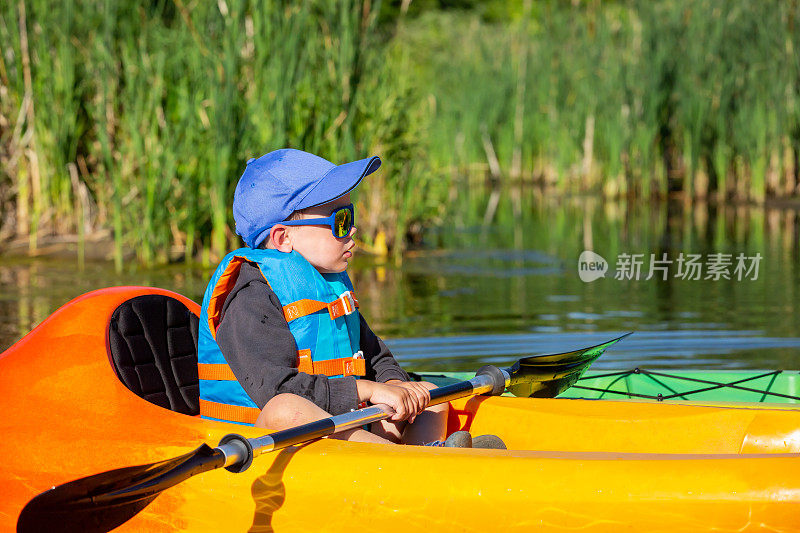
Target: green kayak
{"x": 759, "y": 386}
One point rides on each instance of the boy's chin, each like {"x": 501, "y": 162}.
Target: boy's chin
{"x": 331, "y": 269}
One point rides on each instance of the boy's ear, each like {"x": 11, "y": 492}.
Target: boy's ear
{"x": 280, "y": 239}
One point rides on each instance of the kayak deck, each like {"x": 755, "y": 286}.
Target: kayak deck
{"x": 739, "y": 386}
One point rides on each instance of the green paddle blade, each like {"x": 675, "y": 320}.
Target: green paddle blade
{"x": 105, "y": 501}
{"x": 547, "y": 376}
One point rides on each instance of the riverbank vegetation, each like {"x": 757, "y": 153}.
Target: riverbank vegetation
{"x": 136, "y": 119}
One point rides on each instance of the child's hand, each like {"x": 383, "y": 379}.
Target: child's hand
{"x": 422, "y": 394}
{"x": 405, "y": 403}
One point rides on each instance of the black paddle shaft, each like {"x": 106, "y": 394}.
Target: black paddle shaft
{"x": 488, "y": 380}
{"x": 240, "y": 451}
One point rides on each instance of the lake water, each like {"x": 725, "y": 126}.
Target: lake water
{"x": 490, "y": 294}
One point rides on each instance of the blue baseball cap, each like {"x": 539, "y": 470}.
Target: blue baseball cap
{"x": 279, "y": 183}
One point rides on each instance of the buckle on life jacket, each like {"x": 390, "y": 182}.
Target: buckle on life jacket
{"x": 351, "y": 367}
{"x": 345, "y": 366}
{"x": 348, "y": 302}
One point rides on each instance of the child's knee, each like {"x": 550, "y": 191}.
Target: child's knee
{"x": 288, "y": 410}
{"x": 388, "y": 429}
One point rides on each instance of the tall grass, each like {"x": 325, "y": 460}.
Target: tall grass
{"x": 634, "y": 97}
{"x": 160, "y": 104}
{"x": 138, "y": 118}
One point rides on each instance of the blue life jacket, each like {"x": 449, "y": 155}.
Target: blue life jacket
{"x": 320, "y": 309}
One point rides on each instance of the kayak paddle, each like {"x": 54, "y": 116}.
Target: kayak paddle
{"x": 104, "y": 501}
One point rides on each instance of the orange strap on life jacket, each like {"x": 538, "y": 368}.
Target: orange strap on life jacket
{"x": 233, "y": 413}
{"x": 346, "y": 366}
{"x": 215, "y": 372}
{"x": 343, "y": 305}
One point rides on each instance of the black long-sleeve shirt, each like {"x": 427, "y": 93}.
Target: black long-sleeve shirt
{"x": 262, "y": 353}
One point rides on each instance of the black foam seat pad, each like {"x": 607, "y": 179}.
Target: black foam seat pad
{"x": 153, "y": 349}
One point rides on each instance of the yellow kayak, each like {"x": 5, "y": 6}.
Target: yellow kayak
{"x": 587, "y": 465}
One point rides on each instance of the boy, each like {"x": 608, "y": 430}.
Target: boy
{"x": 281, "y": 339}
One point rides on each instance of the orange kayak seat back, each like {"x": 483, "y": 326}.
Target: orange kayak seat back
{"x": 152, "y": 346}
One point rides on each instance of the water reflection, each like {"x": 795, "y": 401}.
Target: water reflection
{"x": 489, "y": 287}
{"x": 31, "y": 289}
{"x": 21, "y": 307}
{"x": 651, "y": 349}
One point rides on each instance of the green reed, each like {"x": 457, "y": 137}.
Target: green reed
{"x": 161, "y": 104}
{"x": 139, "y": 118}
{"x": 631, "y": 97}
